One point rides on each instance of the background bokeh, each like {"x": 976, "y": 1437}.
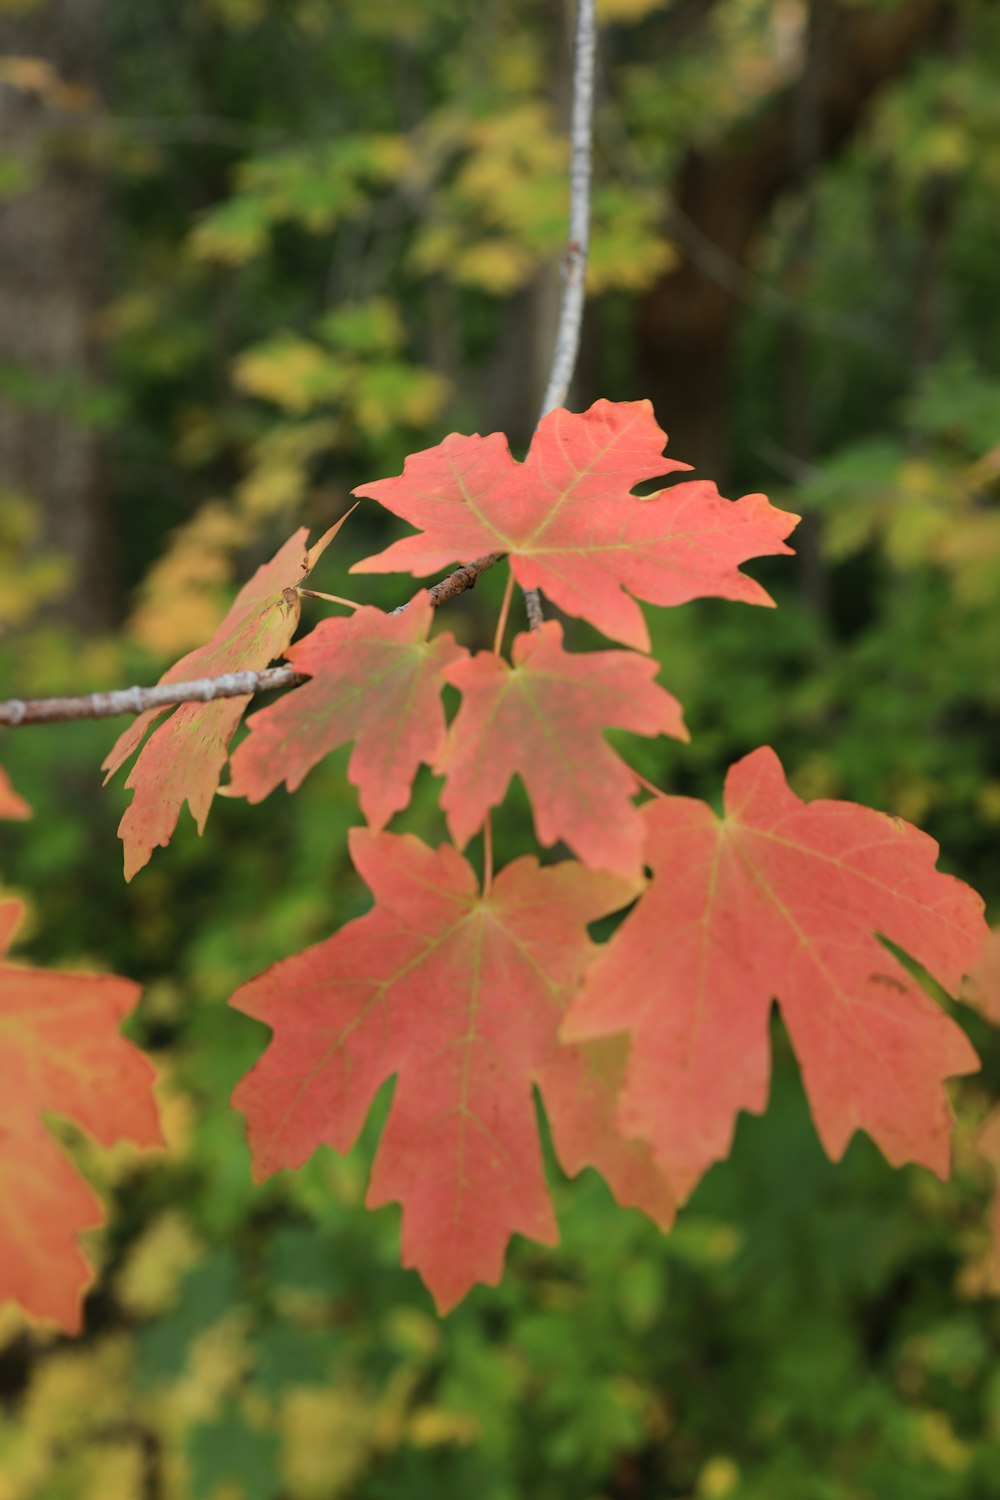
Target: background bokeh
{"x": 253, "y": 252}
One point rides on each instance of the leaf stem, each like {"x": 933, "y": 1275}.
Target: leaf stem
{"x": 330, "y": 598}
{"x": 647, "y": 785}
{"x": 487, "y": 855}
{"x": 136, "y": 700}
{"x": 504, "y": 613}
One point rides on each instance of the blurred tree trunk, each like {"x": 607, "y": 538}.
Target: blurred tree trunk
{"x": 687, "y": 322}
{"x": 51, "y": 263}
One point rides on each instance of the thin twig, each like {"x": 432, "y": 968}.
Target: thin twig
{"x": 578, "y": 245}
{"x": 464, "y": 577}
{"x": 504, "y": 612}
{"x": 17, "y": 711}
{"x": 136, "y": 700}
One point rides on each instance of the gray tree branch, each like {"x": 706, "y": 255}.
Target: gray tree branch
{"x": 578, "y": 245}
{"x": 134, "y": 700}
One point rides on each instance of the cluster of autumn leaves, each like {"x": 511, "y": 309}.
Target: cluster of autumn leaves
{"x": 473, "y": 992}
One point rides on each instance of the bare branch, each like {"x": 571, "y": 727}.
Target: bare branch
{"x": 464, "y": 577}
{"x": 136, "y": 700}
{"x": 578, "y": 246}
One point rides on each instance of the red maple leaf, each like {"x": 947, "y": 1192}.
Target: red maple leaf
{"x": 569, "y": 523}
{"x": 182, "y": 760}
{"x": 460, "y": 996}
{"x": 781, "y": 900}
{"x": 61, "y": 1054}
{"x": 375, "y": 679}
{"x": 544, "y": 718}
{"x": 11, "y": 805}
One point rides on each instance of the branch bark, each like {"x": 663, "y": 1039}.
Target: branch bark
{"x": 136, "y": 700}
{"x": 574, "y": 288}
{"x": 16, "y": 711}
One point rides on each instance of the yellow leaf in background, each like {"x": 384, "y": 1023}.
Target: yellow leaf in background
{"x": 628, "y": 10}
{"x": 13, "y": 1323}
{"x": 29, "y": 579}
{"x": 372, "y": 327}
{"x": 234, "y": 233}
{"x": 390, "y": 155}
{"x": 272, "y": 489}
{"x": 518, "y": 64}
{"x": 240, "y": 15}
{"x": 941, "y": 1443}
{"x": 627, "y": 247}
{"x": 216, "y": 1364}
{"x": 988, "y": 802}
{"x": 293, "y": 373}
{"x": 499, "y": 266}
{"x": 150, "y": 1279}
{"x": 913, "y": 796}
{"x": 328, "y": 1437}
{"x": 440, "y": 1427}
{"x": 628, "y": 265}
{"x": 413, "y": 1333}
{"x": 435, "y": 247}
{"x": 719, "y": 1478}
{"x": 77, "y": 1390}
{"x": 114, "y": 1471}
{"x": 508, "y": 151}
{"x": 280, "y": 461}
{"x": 399, "y": 19}
{"x": 179, "y": 604}
{"x": 391, "y": 395}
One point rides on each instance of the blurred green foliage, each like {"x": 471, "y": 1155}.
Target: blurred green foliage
{"x": 324, "y": 220}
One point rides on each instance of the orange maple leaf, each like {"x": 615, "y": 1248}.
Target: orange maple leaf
{"x": 182, "y": 760}
{"x": 570, "y": 524}
{"x": 61, "y": 1054}
{"x": 374, "y": 678}
{"x": 11, "y": 805}
{"x": 459, "y": 994}
{"x": 544, "y": 718}
{"x": 781, "y": 900}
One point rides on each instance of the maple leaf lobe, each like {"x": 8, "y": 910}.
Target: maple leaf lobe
{"x": 63, "y": 1054}
{"x": 782, "y": 900}
{"x": 458, "y": 995}
{"x": 12, "y": 805}
{"x": 183, "y": 759}
{"x": 374, "y": 678}
{"x": 570, "y": 524}
{"x": 543, "y": 718}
